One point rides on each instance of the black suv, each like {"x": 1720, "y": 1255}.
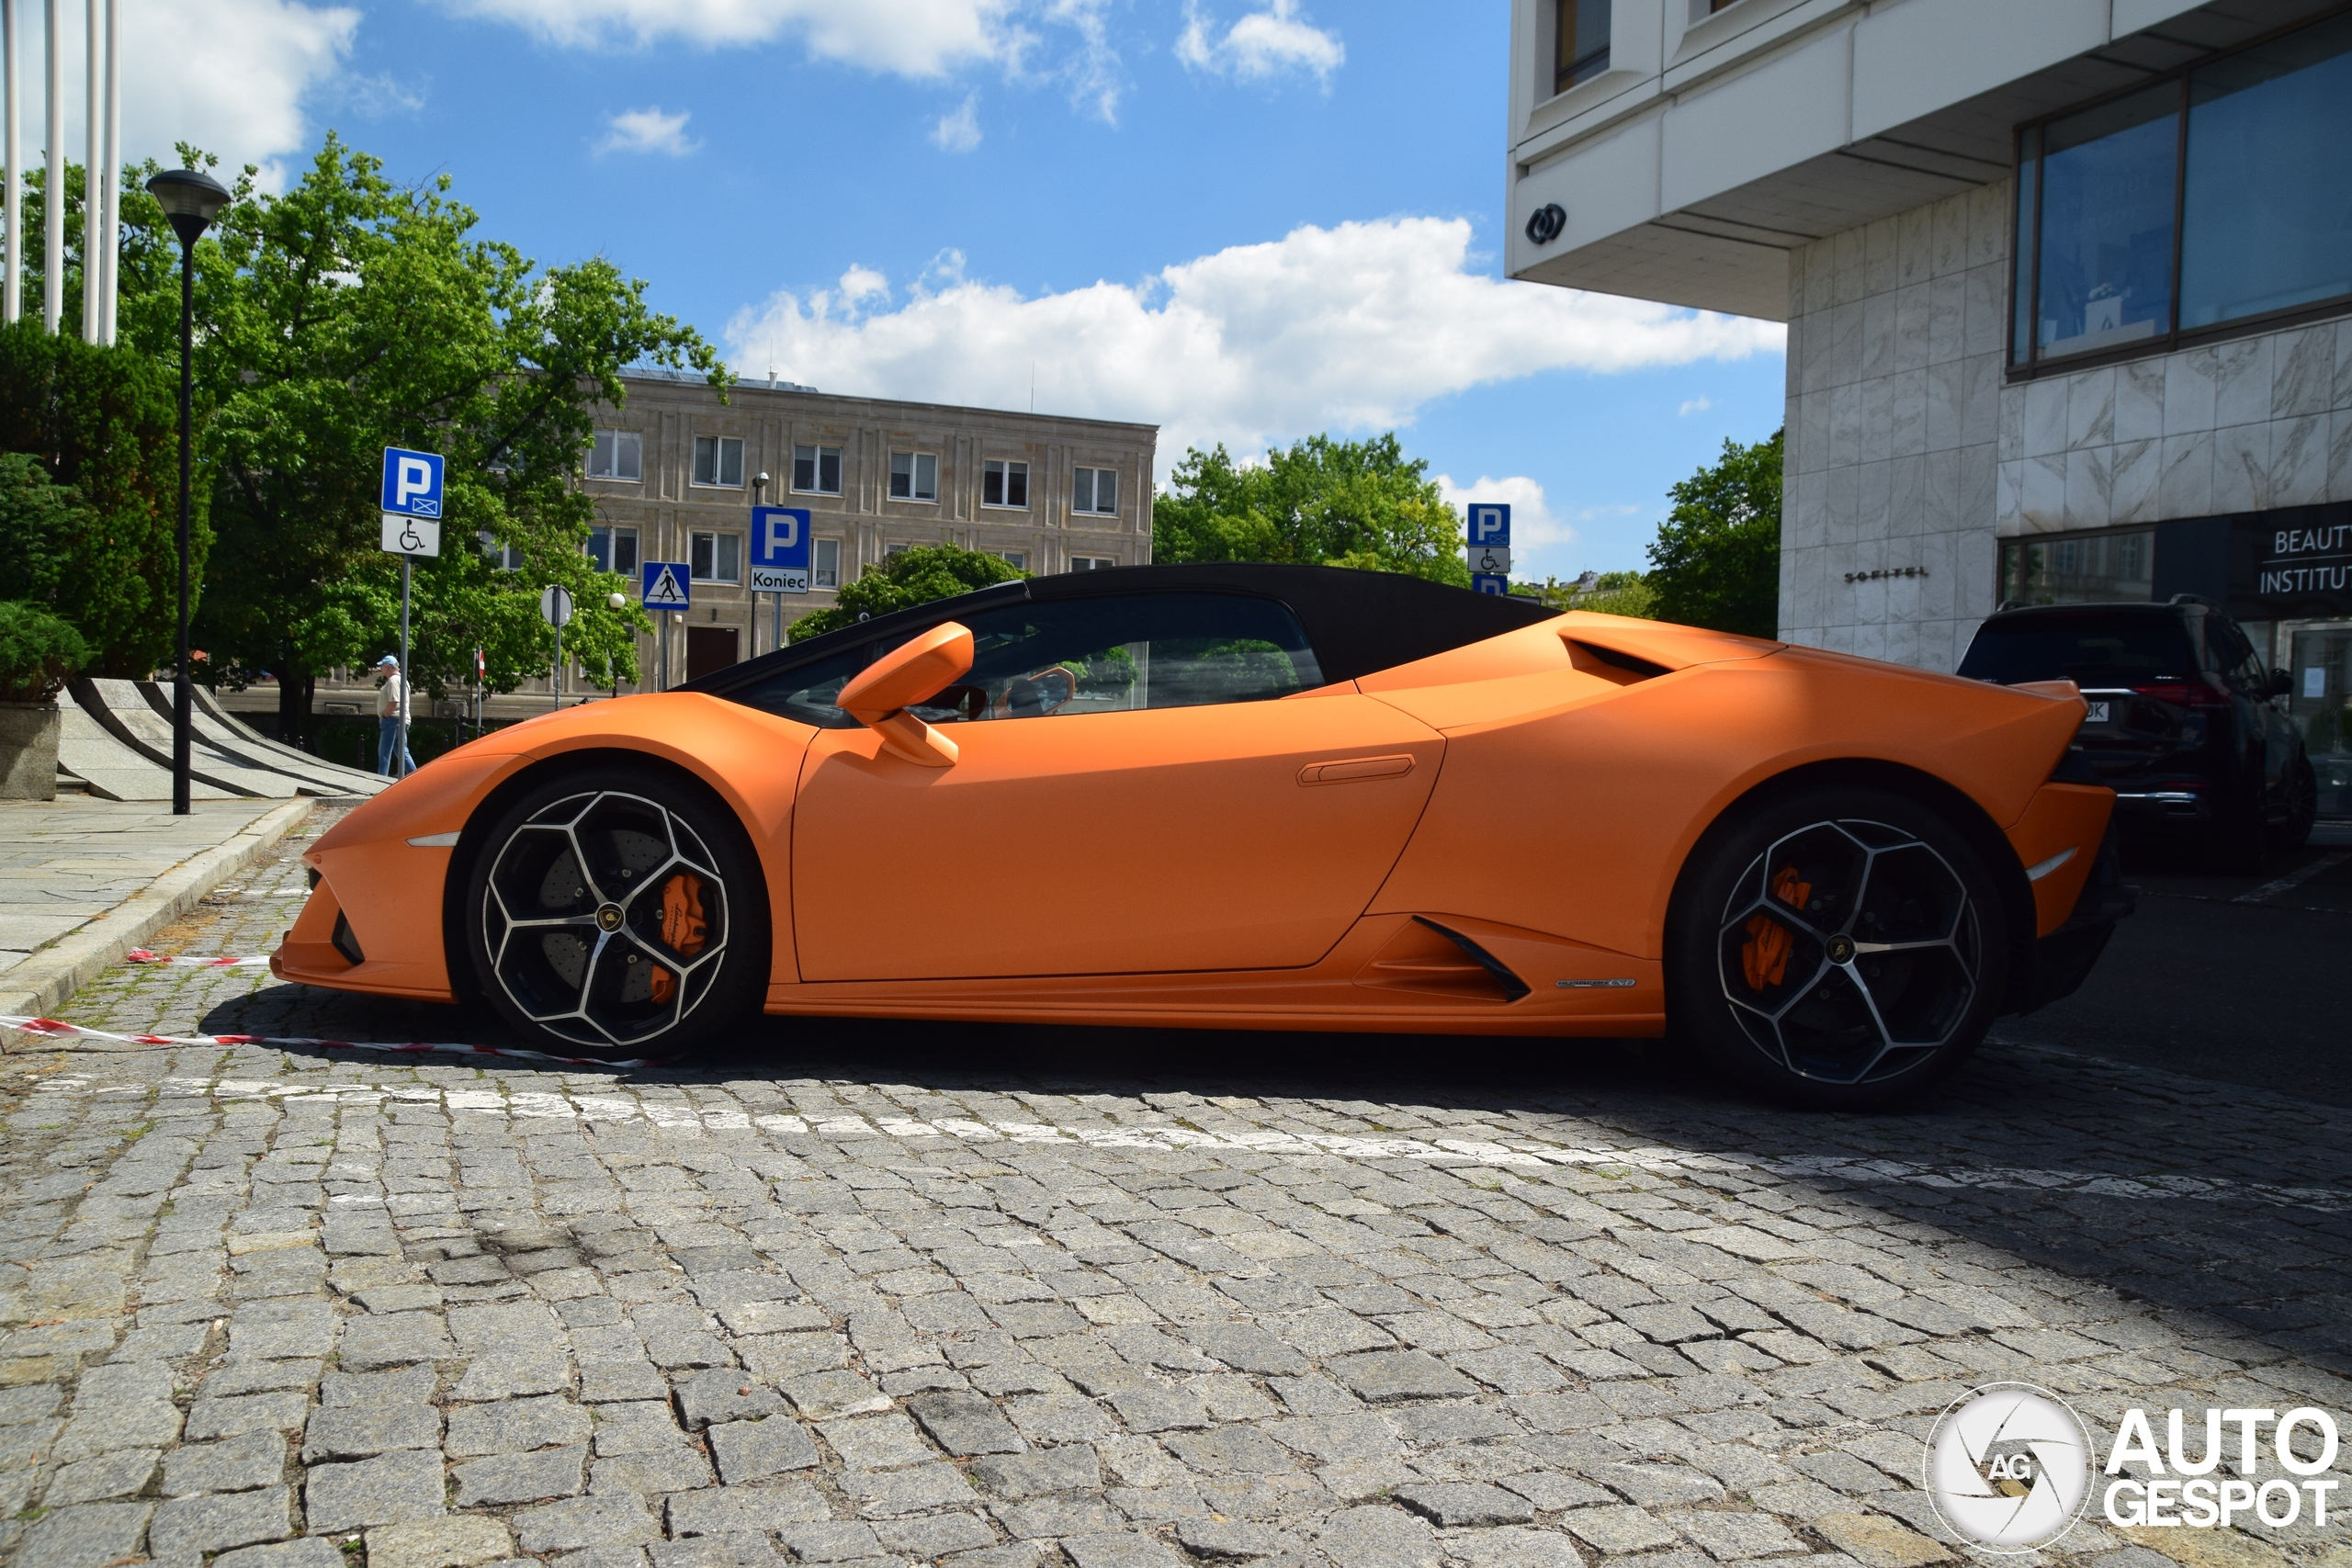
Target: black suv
{"x": 2181, "y": 725}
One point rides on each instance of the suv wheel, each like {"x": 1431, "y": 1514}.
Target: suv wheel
{"x": 2300, "y": 787}
{"x": 1839, "y": 948}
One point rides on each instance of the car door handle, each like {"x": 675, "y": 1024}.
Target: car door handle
{"x": 1349, "y": 770}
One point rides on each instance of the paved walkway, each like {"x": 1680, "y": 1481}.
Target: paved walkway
{"x": 1017, "y": 1298}
{"x": 65, "y": 862}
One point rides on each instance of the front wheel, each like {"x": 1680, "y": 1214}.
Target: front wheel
{"x": 2302, "y": 790}
{"x": 617, "y": 914}
{"x": 1838, "y": 948}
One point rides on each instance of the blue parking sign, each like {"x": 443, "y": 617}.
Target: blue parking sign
{"x": 1489, "y": 583}
{"x": 1489, "y": 524}
{"x": 779, "y": 550}
{"x": 411, "y": 482}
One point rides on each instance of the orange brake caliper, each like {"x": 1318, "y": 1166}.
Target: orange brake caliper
{"x": 1764, "y": 957}
{"x": 682, "y": 926}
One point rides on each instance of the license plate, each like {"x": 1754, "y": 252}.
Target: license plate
{"x": 2097, "y": 713}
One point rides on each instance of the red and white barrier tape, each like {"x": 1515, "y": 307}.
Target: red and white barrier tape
{"x": 51, "y": 1029}
{"x": 141, "y": 955}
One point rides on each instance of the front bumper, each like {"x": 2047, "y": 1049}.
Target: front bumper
{"x": 2055, "y": 965}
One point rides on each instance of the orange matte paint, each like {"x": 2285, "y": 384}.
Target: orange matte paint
{"x": 1297, "y": 864}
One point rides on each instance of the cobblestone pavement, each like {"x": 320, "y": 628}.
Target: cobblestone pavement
{"x": 1013, "y": 1298}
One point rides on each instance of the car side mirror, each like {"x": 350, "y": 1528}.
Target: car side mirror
{"x": 2278, "y": 684}
{"x": 915, "y": 672}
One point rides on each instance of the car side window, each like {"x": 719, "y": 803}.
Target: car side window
{"x": 1071, "y": 657}
{"x": 2232, "y": 652}
{"x": 809, "y": 693}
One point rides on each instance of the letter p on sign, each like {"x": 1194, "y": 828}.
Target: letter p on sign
{"x": 784, "y": 532}
{"x": 1489, "y": 524}
{"x": 411, "y": 482}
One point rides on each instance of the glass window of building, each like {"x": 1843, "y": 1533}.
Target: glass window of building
{"x": 718, "y": 460}
{"x": 2266, "y": 221}
{"x": 825, "y": 563}
{"x": 2097, "y": 569}
{"x": 1091, "y": 563}
{"x": 1004, "y": 483}
{"x": 616, "y": 455}
{"x": 505, "y": 557}
{"x": 914, "y": 476}
{"x": 613, "y": 549}
{"x": 2236, "y": 165}
{"x": 716, "y": 557}
{"x": 1583, "y": 42}
{"x": 817, "y": 471}
{"x": 1017, "y": 560}
{"x": 1095, "y": 491}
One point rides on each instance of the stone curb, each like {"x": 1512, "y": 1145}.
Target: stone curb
{"x": 52, "y": 975}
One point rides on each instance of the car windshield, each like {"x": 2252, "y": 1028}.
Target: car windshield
{"x": 2088, "y": 649}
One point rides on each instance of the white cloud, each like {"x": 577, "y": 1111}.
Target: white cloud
{"x": 647, "y": 131}
{"x": 1262, "y": 44}
{"x": 959, "y": 131}
{"x": 1351, "y": 328}
{"x": 1700, "y": 404}
{"x": 1533, "y": 524}
{"x": 907, "y": 38}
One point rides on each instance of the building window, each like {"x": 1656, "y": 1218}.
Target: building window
{"x": 1583, "y": 51}
{"x": 2089, "y": 569}
{"x": 1017, "y": 560}
{"x": 616, "y": 455}
{"x": 614, "y": 549}
{"x": 2234, "y": 168}
{"x": 718, "y": 460}
{"x": 505, "y": 557}
{"x": 1095, "y": 491}
{"x": 817, "y": 471}
{"x": 1003, "y": 483}
{"x": 914, "y": 476}
{"x": 716, "y": 557}
{"x": 1091, "y": 563}
{"x": 825, "y": 570}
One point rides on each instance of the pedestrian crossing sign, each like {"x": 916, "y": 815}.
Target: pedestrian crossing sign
{"x": 669, "y": 585}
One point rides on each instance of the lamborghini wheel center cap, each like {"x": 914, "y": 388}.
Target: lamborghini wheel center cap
{"x": 608, "y": 918}
{"x": 1841, "y": 948}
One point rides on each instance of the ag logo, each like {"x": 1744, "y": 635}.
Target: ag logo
{"x": 2009, "y": 1467}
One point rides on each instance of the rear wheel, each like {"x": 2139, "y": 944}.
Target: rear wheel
{"x": 1839, "y": 948}
{"x": 2302, "y": 790}
{"x": 615, "y": 913}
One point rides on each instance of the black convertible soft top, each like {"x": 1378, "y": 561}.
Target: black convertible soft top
{"x": 1358, "y": 621}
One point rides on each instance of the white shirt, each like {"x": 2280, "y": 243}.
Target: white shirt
{"x": 388, "y": 698}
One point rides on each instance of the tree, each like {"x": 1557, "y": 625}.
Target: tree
{"x": 1716, "y": 561}
{"x": 350, "y": 314}
{"x": 1611, "y": 593}
{"x": 1354, "y": 503}
{"x": 89, "y": 492}
{"x": 909, "y": 577}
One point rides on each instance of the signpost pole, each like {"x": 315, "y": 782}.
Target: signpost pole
{"x": 400, "y": 755}
{"x": 556, "y": 682}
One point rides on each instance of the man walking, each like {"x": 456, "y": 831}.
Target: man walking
{"x": 388, "y": 717}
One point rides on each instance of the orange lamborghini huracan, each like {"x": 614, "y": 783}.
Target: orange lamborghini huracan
{"x": 1256, "y": 796}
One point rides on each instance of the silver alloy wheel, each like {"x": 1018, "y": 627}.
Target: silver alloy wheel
{"x": 605, "y": 919}
{"x": 1849, "y": 951}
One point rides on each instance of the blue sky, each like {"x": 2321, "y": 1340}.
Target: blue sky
{"x": 1246, "y": 220}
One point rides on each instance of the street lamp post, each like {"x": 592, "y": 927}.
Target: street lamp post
{"x": 191, "y": 200}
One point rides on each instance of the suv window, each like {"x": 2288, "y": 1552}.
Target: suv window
{"x": 1080, "y": 656}
{"x": 2230, "y": 653}
{"x": 2089, "y": 647}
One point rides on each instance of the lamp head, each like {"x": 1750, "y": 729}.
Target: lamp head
{"x": 190, "y": 198}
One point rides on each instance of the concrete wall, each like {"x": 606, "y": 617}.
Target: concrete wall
{"x": 1895, "y": 344}
{"x": 2235, "y": 426}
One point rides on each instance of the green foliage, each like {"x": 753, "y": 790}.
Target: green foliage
{"x": 38, "y": 651}
{"x": 1611, "y": 593}
{"x": 912, "y": 577}
{"x": 349, "y": 314}
{"x": 1716, "y": 561}
{"x": 89, "y": 491}
{"x": 1354, "y": 503}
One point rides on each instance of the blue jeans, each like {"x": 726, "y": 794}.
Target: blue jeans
{"x": 387, "y": 740}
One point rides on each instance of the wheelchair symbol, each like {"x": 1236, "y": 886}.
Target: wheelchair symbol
{"x": 410, "y": 540}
